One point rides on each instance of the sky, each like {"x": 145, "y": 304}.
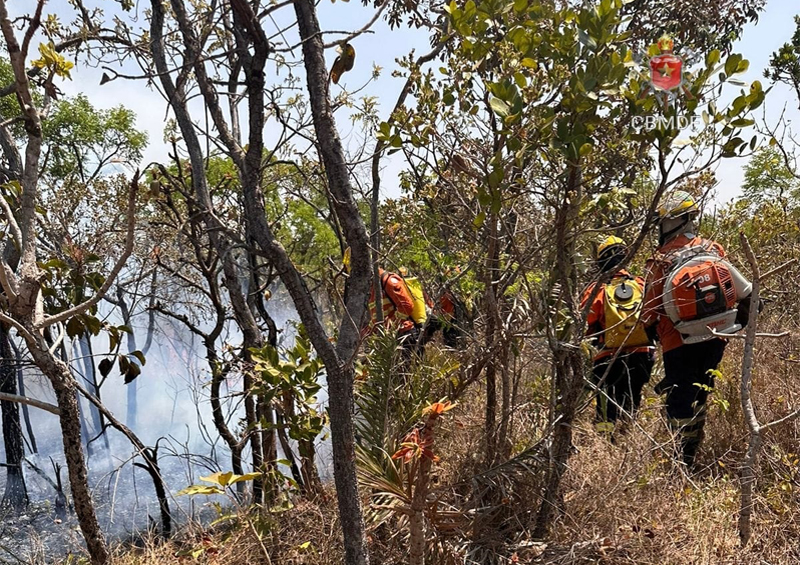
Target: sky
{"x": 383, "y": 46}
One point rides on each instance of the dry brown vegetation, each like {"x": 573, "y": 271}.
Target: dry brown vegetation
{"x": 625, "y": 503}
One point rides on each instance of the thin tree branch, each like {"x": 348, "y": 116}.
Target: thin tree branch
{"x": 30, "y": 402}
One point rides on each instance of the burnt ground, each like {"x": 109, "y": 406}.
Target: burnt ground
{"x": 124, "y": 499}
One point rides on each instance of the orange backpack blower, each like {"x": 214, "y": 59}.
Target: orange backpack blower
{"x": 700, "y": 294}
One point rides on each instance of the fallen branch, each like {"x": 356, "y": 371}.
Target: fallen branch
{"x": 778, "y": 269}
{"x": 30, "y": 402}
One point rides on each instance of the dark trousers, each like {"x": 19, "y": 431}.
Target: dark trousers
{"x": 410, "y": 342}
{"x": 621, "y": 390}
{"x": 687, "y": 382}
{"x": 451, "y": 333}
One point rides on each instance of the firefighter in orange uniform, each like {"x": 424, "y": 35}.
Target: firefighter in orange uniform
{"x": 688, "y": 367}
{"x": 398, "y": 305}
{"x": 625, "y": 361}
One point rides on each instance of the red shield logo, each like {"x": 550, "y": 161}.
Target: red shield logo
{"x": 666, "y": 71}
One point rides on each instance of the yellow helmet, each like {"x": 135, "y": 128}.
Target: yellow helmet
{"x": 609, "y": 242}
{"x": 678, "y": 204}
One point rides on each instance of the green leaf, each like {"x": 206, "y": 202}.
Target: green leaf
{"x": 732, "y": 64}
{"x": 74, "y": 327}
{"x": 133, "y": 371}
{"x": 469, "y": 9}
{"x": 501, "y": 108}
{"x": 712, "y": 58}
{"x": 200, "y": 489}
{"x": 219, "y": 478}
{"x": 124, "y": 364}
{"x": 105, "y": 366}
{"x": 113, "y": 340}
{"x": 495, "y": 178}
{"x": 743, "y": 66}
{"x": 140, "y": 356}
{"x": 742, "y": 123}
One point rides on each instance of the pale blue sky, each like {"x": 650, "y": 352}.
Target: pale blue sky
{"x": 382, "y": 47}
{"x": 759, "y": 41}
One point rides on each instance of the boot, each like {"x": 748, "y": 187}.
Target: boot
{"x": 691, "y": 438}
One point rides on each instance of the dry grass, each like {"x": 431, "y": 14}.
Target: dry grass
{"x": 305, "y": 535}
{"x": 628, "y": 503}
{"x": 623, "y": 504}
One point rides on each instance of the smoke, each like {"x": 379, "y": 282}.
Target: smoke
{"x": 173, "y": 411}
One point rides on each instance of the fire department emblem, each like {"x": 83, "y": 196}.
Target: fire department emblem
{"x": 666, "y": 69}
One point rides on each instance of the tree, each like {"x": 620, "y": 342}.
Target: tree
{"x": 540, "y": 100}
{"x": 784, "y": 65}
{"x": 16, "y": 493}
{"x": 768, "y": 179}
{"x": 246, "y": 51}
{"x": 23, "y": 282}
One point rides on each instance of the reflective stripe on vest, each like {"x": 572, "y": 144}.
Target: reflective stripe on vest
{"x": 389, "y": 311}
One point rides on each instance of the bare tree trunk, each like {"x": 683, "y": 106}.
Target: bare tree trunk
{"x": 59, "y": 375}
{"x": 416, "y": 520}
{"x": 16, "y": 494}
{"x": 84, "y": 426}
{"x": 269, "y": 448}
{"x": 490, "y": 420}
{"x": 503, "y": 441}
{"x": 567, "y": 354}
{"x": 131, "y": 388}
{"x": 21, "y": 388}
{"x": 750, "y": 462}
{"x": 568, "y": 372}
{"x": 308, "y": 467}
{"x": 235, "y": 446}
{"x": 286, "y": 447}
{"x": 340, "y": 371}
{"x": 90, "y": 376}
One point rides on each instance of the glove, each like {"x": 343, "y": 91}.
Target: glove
{"x": 743, "y": 313}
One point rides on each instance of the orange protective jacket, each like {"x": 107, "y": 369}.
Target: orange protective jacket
{"x": 596, "y": 320}
{"x": 397, "y": 302}
{"x": 657, "y": 266}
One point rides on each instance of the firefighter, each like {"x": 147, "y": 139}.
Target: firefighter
{"x": 688, "y": 367}
{"x": 625, "y": 360}
{"x": 399, "y": 307}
